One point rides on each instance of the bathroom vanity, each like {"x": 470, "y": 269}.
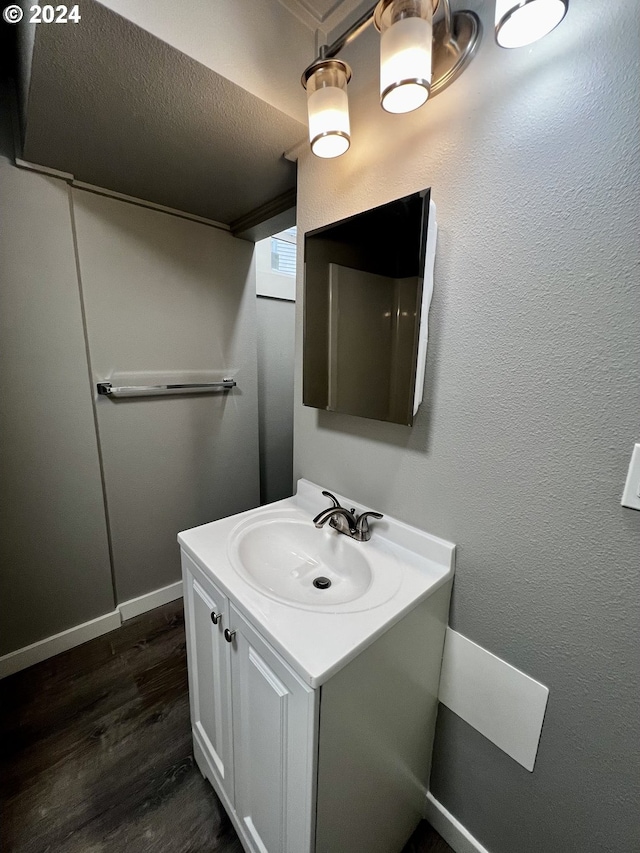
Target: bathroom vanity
{"x": 313, "y": 709}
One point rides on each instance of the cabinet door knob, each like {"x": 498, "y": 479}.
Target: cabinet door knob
{"x": 216, "y": 617}
{"x": 229, "y": 635}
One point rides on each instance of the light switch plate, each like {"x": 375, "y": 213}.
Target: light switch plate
{"x": 631, "y": 494}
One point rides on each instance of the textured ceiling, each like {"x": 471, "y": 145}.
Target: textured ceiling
{"x": 258, "y": 44}
{"x": 117, "y": 107}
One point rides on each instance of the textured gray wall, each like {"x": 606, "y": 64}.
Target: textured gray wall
{"x": 276, "y": 331}
{"x": 165, "y": 294}
{"x": 532, "y": 404}
{"x": 54, "y": 554}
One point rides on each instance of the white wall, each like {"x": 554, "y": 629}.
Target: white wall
{"x": 163, "y": 293}
{"x": 531, "y": 406}
{"x": 54, "y": 554}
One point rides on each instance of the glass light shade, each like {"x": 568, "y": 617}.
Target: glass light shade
{"x": 520, "y": 24}
{"x": 405, "y": 54}
{"x": 328, "y": 108}
{"x": 329, "y": 130}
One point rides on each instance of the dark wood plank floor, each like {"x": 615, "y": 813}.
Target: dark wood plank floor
{"x": 96, "y": 752}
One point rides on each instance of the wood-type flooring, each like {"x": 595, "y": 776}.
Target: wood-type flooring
{"x": 96, "y": 752}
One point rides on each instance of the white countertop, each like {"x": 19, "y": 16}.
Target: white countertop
{"x": 316, "y": 644}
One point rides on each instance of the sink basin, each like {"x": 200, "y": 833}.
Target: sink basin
{"x": 281, "y": 554}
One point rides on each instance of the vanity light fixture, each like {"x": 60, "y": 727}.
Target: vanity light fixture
{"x": 521, "y": 23}
{"x": 418, "y": 58}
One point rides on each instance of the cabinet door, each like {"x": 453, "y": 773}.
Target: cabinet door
{"x": 209, "y": 671}
{"x": 274, "y": 745}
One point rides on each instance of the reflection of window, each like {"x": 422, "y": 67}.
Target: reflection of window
{"x": 283, "y": 252}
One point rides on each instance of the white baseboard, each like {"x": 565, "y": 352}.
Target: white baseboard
{"x": 50, "y": 646}
{"x": 149, "y": 601}
{"x": 450, "y": 828}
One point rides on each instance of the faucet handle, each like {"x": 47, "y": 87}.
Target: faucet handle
{"x": 362, "y": 524}
{"x": 331, "y": 497}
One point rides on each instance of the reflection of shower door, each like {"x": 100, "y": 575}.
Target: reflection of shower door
{"x": 371, "y": 342}
{"x": 404, "y": 346}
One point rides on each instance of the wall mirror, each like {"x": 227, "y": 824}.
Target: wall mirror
{"x": 367, "y": 291}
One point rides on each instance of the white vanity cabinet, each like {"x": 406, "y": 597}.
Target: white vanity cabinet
{"x": 253, "y": 722}
{"x": 343, "y": 768}
{"x": 313, "y": 712}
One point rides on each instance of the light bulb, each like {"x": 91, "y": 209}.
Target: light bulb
{"x": 520, "y": 24}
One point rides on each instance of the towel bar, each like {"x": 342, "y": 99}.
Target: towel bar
{"x": 109, "y": 390}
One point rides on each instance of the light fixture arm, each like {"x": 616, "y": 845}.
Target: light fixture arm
{"x": 328, "y": 51}
{"x": 447, "y": 25}
{"x": 456, "y": 38}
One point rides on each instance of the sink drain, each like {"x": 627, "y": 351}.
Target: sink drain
{"x": 322, "y": 583}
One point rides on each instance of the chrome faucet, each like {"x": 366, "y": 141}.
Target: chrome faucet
{"x": 345, "y": 520}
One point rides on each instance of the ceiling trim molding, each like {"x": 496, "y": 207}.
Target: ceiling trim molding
{"x": 306, "y": 11}
{"x": 267, "y": 219}
{"x": 43, "y": 170}
{"x": 302, "y": 14}
{"x": 129, "y": 199}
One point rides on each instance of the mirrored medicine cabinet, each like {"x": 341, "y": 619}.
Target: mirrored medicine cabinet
{"x": 366, "y": 301}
